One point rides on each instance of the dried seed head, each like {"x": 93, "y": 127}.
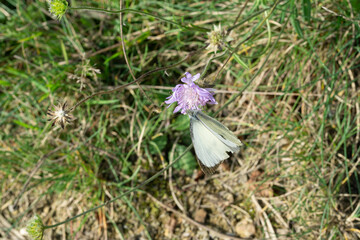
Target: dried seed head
{"x": 60, "y": 115}
{"x": 216, "y": 38}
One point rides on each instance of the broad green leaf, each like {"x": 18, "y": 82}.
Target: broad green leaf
{"x": 181, "y": 123}
{"x": 160, "y": 143}
{"x": 187, "y": 162}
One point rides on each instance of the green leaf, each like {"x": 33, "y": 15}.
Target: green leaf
{"x": 295, "y": 22}
{"x": 159, "y": 142}
{"x": 144, "y": 36}
{"x": 181, "y": 123}
{"x": 34, "y": 35}
{"x": 102, "y": 102}
{"x": 356, "y": 5}
{"x": 306, "y": 7}
{"x": 107, "y": 60}
{"x": 241, "y": 62}
{"x": 39, "y": 85}
{"x": 187, "y": 162}
{"x": 25, "y": 125}
{"x": 5, "y": 83}
{"x": 197, "y": 28}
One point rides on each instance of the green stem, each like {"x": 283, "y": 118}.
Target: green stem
{"x": 129, "y": 10}
{"x": 208, "y": 64}
{"x": 138, "y": 80}
{"x": 125, "y": 193}
{"x": 247, "y": 19}
{"x": 257, "y": 55}
{"x": 246, "y": 39}
{"x": 127, "y": 61}
{"x": 255, "y": 75}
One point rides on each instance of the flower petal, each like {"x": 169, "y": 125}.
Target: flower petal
{"x": 190, "y": 96}
{"x": 177, "y": 109}
{"x": 196, "y": 77}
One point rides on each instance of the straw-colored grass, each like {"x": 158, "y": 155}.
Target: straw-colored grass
{"x": 298, "y": 115}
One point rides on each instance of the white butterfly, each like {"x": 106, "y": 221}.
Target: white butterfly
{"x": 212, "y": 141}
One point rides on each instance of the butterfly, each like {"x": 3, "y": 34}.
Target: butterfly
{"x": 212, "y": 141}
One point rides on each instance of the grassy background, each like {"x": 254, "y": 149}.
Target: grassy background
{"x": 297, "y": 176}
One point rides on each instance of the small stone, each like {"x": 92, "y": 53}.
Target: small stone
{"x": 200, "y": 215}
{"x": 282, "y": 234}
{"x": 245, "y": 228}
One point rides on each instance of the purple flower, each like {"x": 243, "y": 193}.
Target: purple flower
{"x": 190, "y": 96}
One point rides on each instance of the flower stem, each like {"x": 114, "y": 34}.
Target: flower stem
{"x": 255, "y": 75}
{"x": 125, "y": 193}
{"x": 208, "y": 63}
{"x": 129, "y": 10}
{"x": 127, "y": 61}
{"x": 248, "y": 38}
{"x": 257, "y": 55}
{"x": 247, "y": 19}
{"x": 138, "y": 80}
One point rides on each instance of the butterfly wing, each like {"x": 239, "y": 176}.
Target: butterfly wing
{"x": 209, "y": 149}
{"x": 212, "y": 141}
{"x": 219, "y": 130}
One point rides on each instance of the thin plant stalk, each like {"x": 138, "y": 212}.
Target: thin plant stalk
{"x": 125, "y": 193}
{"x": 126, "y": 59}
{"x": 255, "y": 75}
{"x": 128, "y": 10}
{"x": 246, "y": 39}
{"x": 138, "y": 80}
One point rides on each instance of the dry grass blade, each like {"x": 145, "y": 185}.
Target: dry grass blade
{"x": 36, "y": 168}
{"x": 290, "y": 94}
{"x": 193, "y": 222}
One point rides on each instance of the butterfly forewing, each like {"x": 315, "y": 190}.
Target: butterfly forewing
{"x": 209, "y": 148}
{"x": 225, "y": 135}
{"x": 212, "y": 141}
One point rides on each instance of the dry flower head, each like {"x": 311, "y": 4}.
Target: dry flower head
{"x": 216, "y": 38}
{"x": 60, "y": 115}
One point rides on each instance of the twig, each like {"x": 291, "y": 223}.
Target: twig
{"x": 276, "y": 213}
{"x": 126, "y": 59}
{"x": 240, "y": 12}
{"x": 91, "y": 54}
{"x": 37, "y": 167}
{"x": 268, "y": 229}
{"x": 352, "y": 170}
{"x": 7, "y": 230}
{"x": 338, "y": 15}
{"x": 193, "y": 222}
{"x": 176, "y": 200}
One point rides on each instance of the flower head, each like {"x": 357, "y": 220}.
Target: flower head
{"x": 57, "y": 8}
{"x": 190, "y": 96}
{"x": 60, "y": 115}
{"x": 217, "y": 37}
{"x": 35, "y": 228}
